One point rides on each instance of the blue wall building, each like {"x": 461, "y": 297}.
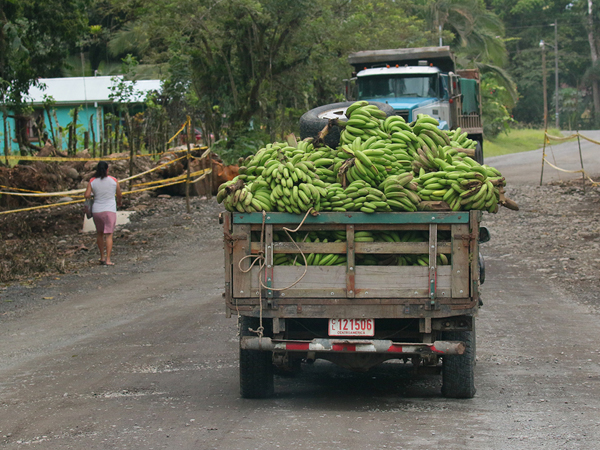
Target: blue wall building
{"x": 91, "y": 95}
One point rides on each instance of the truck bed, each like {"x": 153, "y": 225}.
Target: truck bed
{"x": 352, "y": 290}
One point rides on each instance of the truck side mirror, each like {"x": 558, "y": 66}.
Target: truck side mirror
{"x": 484, "y": 235}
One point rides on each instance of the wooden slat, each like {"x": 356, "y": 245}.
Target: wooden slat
{"x": 460, "y": 261}
{"x": 474, "y": 250}
{"x": 228, "y": 261}
{"x": 433, "y": 252}
{"x": 393, "y": 227}
{"x": 241, "y": 248}
{"x": 269, "y": 260}
{"x": 400, "y": 248}
{"x": 400, "y": 281}
{"x": 319, "y": 281}
{"x": 415, "y": 248}
{"x": 305, "y": 247}
{"x": 355, "y": 218}
{"x": 359, "y": 227}
{"x": 370, "y": 281}
{"x": 350, "y": 263}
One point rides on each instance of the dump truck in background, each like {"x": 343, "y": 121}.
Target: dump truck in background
{"x": 356, "y": 314}
{"x": 420, "y": 81}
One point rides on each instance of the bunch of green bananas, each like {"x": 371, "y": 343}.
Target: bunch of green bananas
{"x": 396, "y": 259}
{"x": 364, "y": 121}
{"x": 315, "y": 259}
{"x": 463, "y": 185}
{"x": 400, "y": 192}
{"x": 252, "y": 197}
{"x": 459, "y": 140}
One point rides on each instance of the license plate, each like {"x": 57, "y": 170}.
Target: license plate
{"x": 351, "y": 327}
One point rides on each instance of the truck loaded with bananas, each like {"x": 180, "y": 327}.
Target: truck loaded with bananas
{"x": 359, "y": 252}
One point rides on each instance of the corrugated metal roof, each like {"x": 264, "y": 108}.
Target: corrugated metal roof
{"x": 79, "y": 90}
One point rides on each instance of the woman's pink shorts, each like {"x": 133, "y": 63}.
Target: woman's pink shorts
{"x": 105, "y": 221}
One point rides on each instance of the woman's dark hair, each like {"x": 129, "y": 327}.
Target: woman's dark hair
{"x": 101, "y": 170}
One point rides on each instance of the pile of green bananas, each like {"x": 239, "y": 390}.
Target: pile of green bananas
{"x": 464, "y": 185}
{"x": 381, "y": 164}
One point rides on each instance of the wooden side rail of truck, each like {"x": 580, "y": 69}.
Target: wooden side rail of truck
{"x": 354, "y": 315}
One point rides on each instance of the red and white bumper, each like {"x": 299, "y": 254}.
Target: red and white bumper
{"x": 352, "y": 345}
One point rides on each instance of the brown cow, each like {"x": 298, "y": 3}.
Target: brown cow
{"x": 222, "y": 173}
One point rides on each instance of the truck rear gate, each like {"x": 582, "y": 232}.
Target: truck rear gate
{"x": 298, "y": 311}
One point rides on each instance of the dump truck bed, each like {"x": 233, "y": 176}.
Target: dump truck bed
{"x": 441, "y": 57}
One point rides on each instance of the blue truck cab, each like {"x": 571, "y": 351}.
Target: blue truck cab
{"x": 419, "y": 81}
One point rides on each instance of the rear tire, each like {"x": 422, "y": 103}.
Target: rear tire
{"x": 256, "y": 367}
{"x": 479, "y": 153}
{"x": 313, "y": 121}
{"x": 458, "y": 378}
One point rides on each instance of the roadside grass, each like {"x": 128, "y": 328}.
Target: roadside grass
{"x": 517, "y": 141}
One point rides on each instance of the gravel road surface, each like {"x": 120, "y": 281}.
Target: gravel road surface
{"x": 141, "y": 356}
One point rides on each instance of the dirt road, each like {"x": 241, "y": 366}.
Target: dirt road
{"x": 140, "y": 356}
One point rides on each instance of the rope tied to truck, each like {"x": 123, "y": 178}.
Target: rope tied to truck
{"x": 260, "y": 258}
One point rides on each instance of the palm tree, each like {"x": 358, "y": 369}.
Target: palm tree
{"x": 474, "y": 33}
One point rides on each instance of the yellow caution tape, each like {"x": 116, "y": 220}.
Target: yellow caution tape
{"x": 74, "y": 193}
{"x": 562, "y": 170}
{"x": 589, "y": 139}
{"x": 582, "y": 171}
{"x": 187, "y": 122}
{"x": 559, "y": 138}
{"x": 104, "y": 158}
{"x": 41, "y": 207}
{"x": 66, "y": 159}
{"x": 22, "y": 190}
{"x": 207, "y": 171}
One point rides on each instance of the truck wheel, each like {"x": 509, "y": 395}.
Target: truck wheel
{"x": 479, "y": 153}
{"x": 256, "y": 367}
{"x": 313, "y": 121}
{"x": 458, "y": 380}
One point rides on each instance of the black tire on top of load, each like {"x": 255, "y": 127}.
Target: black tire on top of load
{"x": 458, "y": 378}
{"x": 256, "y": 367}
{"x": 311, "y": 123}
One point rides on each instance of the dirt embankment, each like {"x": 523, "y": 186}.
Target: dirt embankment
{"x": 556, "y": 231}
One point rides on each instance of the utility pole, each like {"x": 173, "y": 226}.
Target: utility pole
{"x": 556, "y": 73}
{"x": 594, "y": 52}
{"x": 542, "y": 45}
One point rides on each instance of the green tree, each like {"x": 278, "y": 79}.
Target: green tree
{"x": 527, "y": 22}
{"x": 35, "y": 38}
{"x": 476, "y": 35}
{"x": 254, "y": 65}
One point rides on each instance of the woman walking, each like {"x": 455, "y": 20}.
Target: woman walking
{"x": 104, "y": 210}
